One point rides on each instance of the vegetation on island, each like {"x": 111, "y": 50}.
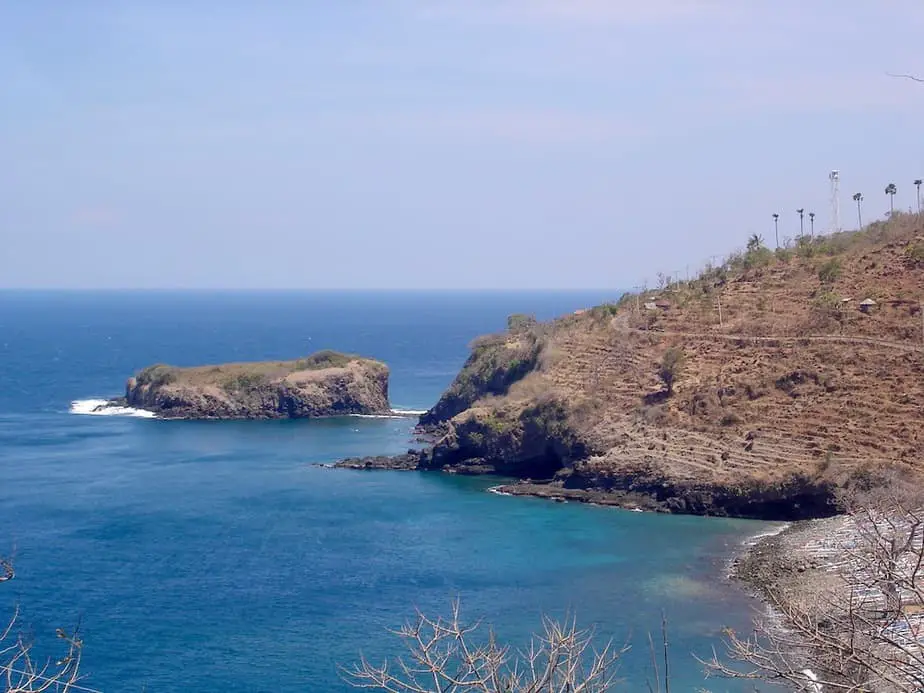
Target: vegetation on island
{"x": 236, "y": 375}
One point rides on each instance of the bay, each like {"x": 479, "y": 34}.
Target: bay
{"x": 219, "y": 555}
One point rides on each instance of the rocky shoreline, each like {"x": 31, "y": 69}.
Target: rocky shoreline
{"x": 793, "y": 562}
{"x": 649, "y": 494}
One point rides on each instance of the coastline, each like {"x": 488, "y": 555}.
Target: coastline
{"x": 793, "y": 562}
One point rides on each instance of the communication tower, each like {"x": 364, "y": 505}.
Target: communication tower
{"x": 835, "y": 179}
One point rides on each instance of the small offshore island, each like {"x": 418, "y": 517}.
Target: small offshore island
{"x": 327, "y": 383}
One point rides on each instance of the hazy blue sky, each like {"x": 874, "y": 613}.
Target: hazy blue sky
{"x": 428, "y": 143}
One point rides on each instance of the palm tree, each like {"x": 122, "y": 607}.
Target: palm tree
{"x": 812, "y": 223}
{"x": 776, "y": 229}
{"x": 858, "y": 198}
{"x": 917, "y": 184}
{"x": 801, "y": 213}
{"x": 890, "y": 191}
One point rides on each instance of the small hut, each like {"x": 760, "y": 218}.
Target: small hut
{"x": 867, "y": 304}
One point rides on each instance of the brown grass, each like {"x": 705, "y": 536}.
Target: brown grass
{"x": 242, "y": 374}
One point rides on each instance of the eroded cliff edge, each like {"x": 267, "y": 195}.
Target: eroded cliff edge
{"x": 325, "y": 384}
{"x": 810, "y": 376}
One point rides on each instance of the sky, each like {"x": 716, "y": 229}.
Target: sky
{"x": 422, "y": 144}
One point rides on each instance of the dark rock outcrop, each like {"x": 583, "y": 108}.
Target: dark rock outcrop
{"x": 324, "y": 384}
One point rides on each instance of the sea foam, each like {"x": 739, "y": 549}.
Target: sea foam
{"x": 395, "y": 414}
{"x": 102, "y": 407}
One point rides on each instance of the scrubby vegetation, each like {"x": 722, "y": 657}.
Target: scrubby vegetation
{"x": 496, "y": 363}
{"x": 669, "y": 370}
{"x": 243, "y": 382}
{"x": 830, "y": 271}
{"x": 234, "y": 377}
{"x": 520, "y": 322}
{"x": 157, "y": 375}
{"x": 324, "y": 359}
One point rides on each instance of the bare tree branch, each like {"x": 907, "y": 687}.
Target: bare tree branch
{"x": 20, "y": 672}
{"x": 864, "y": 632}
{"x": 911, "y": 77}
{"x": 447, "y": 656}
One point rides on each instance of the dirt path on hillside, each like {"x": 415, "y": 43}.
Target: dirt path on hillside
{"x": 621, "y": 324}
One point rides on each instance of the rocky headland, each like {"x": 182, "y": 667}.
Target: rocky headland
{"x": 327, "y": 383}
{"x": 756, "y": 389}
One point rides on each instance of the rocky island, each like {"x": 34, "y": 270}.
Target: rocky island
{"x": 755, "y": 389}
{"x": 327, "y": 383}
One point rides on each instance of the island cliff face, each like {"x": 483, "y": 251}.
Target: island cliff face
{"x": 324, "y": 384}
{"x": 792, "y": 391}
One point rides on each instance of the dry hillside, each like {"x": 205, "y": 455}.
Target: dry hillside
{"x": 787, "y": 385}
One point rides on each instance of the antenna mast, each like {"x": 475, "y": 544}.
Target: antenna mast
{"x": 835, "y": 179}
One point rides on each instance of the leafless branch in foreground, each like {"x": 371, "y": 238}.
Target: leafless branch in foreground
{"x": 913, "y": 78}
{"x": 447, "y": 655}
{"x": 21, "y": 672}
{"x": 862, "y": 628}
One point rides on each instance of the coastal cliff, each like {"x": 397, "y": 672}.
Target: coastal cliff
{"x": 324, "y": 384}
{"x": 808, "y": 376}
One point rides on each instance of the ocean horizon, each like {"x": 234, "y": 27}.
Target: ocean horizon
{"x": 223, "y": 554}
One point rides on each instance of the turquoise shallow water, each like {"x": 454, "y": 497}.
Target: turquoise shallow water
{"x": 218, "y": 556}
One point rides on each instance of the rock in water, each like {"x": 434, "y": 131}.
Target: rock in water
{"x": 325, "y": 384}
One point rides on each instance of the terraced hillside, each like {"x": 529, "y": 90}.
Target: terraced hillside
{"x": 786, "y": 388}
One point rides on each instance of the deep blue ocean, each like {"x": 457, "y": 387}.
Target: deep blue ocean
{"x": 218, "y": 556}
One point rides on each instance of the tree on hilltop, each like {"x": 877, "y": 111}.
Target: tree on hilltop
{"x": 890, "y": 190}
{"x": 755, "y": 242}
{"x": 671, "y": 365}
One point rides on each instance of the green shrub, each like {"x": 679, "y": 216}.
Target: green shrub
{"x": 520, "y": 322}
{"x": 783, "y": 254}
{"x": 323, "y": 359}
{"x": 826, "y": 306}
{"x": 914, "y": 254}
{"x": 605, "y": 310}
{"x": 243, "y": 382}
{"x": 669, "y": 370}
{"x": 157, "y": 375}
{"x": 805, "y": 247}
{"x": 830, "y": 271}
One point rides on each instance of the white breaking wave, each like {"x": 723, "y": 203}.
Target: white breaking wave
{"x": 103, "y": 407}
{"x": 772, "y": 532}
{"x": 395, "y": 414}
